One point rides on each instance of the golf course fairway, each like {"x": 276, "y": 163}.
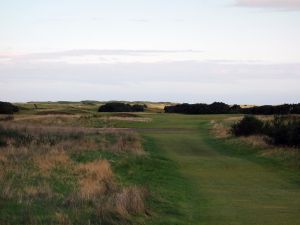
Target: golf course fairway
{"x": 224, "y": 185}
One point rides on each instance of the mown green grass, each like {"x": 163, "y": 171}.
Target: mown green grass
{"x": 169, "y": 192}
{"x": 229, "y": 183}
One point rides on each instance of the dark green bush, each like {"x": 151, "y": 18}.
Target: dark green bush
{"x": 294, "y": 134}
{"x": 120, "y": 107}
{"x": 247, "y": 126}
{"x": 281, "y": 130}
{"x": 284, "y": 131}
{"x": 214, "y": 108}
{"x": 8, "y": 108}
{"x": 222, "y": 108}
{"x": 138, "y": 108}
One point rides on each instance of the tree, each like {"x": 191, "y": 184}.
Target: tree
{"x": 120, "y": 107}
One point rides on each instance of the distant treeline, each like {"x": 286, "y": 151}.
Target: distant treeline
{"x": 121, "y": 107}
{"x": 8, "y": 108}
{"x": 222, "y": 108}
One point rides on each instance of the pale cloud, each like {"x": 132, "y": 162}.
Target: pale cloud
{"x": 184, "y": 81}
{"x": 95, "y": 56}
{"x": 279, "y": 4}
{"x": 139, "y": 20}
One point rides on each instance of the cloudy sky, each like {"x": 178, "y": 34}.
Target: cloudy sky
{"x": 236, "y": 51}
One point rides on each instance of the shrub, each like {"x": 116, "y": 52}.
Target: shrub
{"x": 222, "y": 108}
{"x": 219, "y": 108}
{"x": 8, "y": 108}
{"x": 235, "y": 109}
{"x": 120, "y": 107}
{"x": 284, "y": 132}
{"x": 247, "y": 126}
{"x": 138, "y": 108}
{"x": 294, "y": 134}
{"x": 214, "y": 108}
{"x": 281, "y": 130}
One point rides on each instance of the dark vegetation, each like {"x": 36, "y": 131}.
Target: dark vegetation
{"x": 273, "y": 110}
{"x": 8, "y": 108}
{"x": 201, "y": 108}
{"x": 247, "y": 126}
{"x": 222, "y": 108}
{"x": 280, "y": 131}
{"x": 121, "y": 107}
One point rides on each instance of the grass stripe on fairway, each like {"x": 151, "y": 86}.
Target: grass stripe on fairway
{"x": 227, "y": 188}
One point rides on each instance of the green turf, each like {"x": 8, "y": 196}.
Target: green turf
{"x": 227, "y": 183}
{"x": 169, "y": 193}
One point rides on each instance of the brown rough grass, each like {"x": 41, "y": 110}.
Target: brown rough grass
{"x": 130, "y": 201}
{"x": 97, "y": 179}
{"x": 62, "y": 219}
{"x": 219, "y": 130}
{"x": 255, "y": 140}
{"x": 43, "y": 191}
{"x": 50, "y": 159}
{"x": 6, "y": 117}
{"x": 127, "y": 142}
{"x": 93, "y": 183}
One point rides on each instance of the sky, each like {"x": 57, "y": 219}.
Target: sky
{"x": 235, "y": 51}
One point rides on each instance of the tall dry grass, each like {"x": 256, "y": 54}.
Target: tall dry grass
{"x": 46, "y": 161}
{"x": 220, "y": 130}
{"x": 36, "y": 153}
{"x": 74, "y": 138}
{"x": 96, "y": 179}
{"x": 126, "y": 142}
{"x": 130, "y": 201}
